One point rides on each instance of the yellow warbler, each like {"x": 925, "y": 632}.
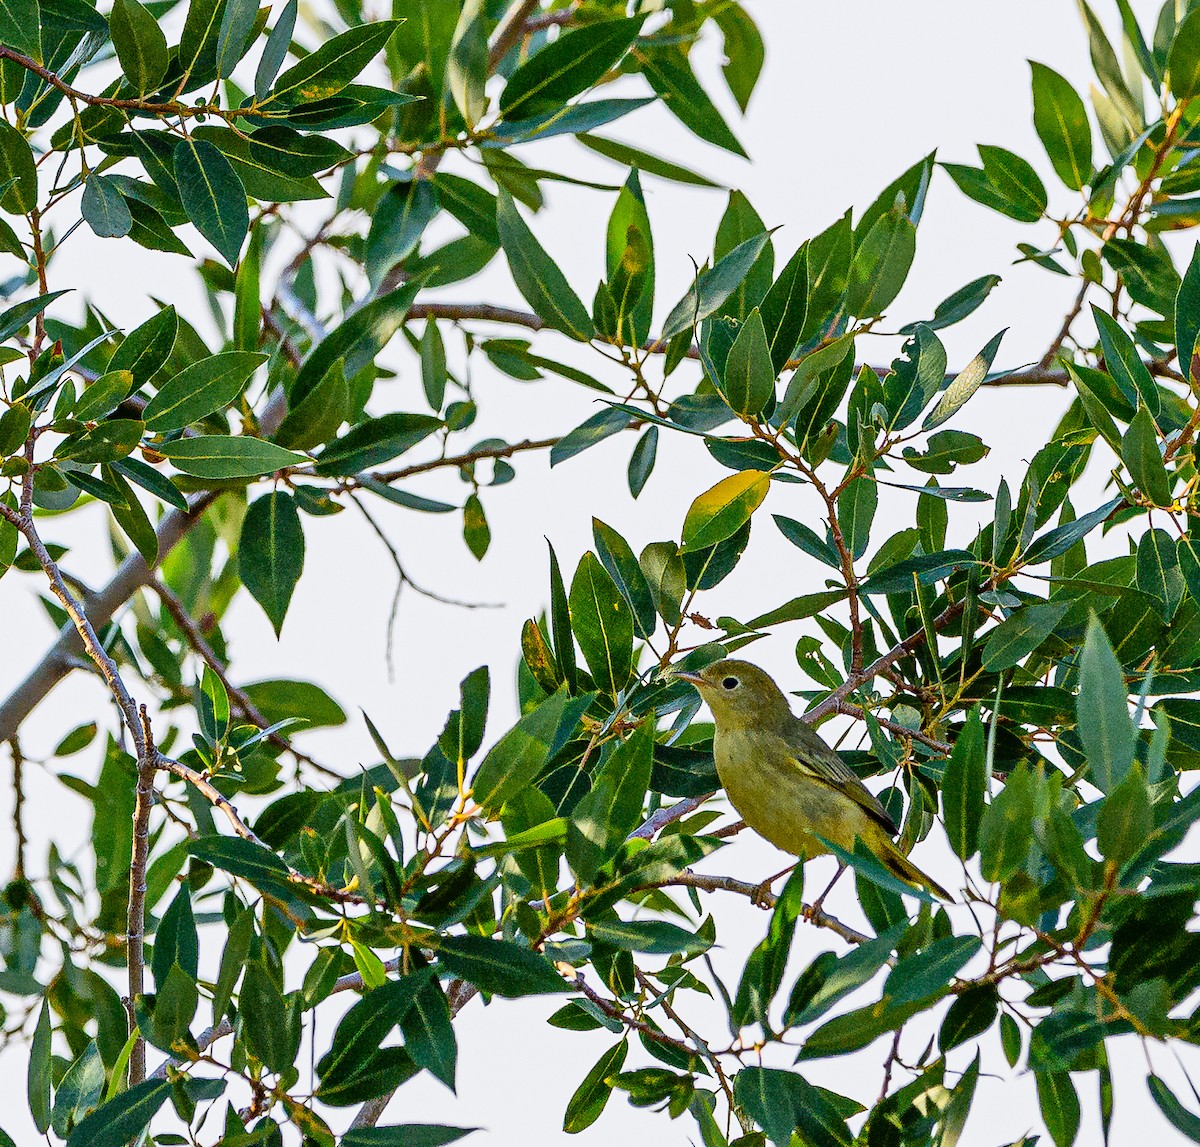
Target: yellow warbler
{"x": 789, "y": 785}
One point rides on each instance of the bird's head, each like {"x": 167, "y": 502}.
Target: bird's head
{"x": 740, "y": 695}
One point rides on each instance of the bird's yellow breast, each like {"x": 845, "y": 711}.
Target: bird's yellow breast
{"x": 780, "y": 801}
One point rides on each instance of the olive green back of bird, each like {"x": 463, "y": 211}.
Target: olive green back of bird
{"x": 787, "y": 784}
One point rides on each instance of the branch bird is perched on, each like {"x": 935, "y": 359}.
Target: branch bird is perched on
{"x": 788, "y": 785}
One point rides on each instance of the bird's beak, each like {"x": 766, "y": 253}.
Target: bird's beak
{"x": 691, "y": 679}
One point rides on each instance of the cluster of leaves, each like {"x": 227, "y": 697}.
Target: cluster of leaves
{"x": 992, "y": 680}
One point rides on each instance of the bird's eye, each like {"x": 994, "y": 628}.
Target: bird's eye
{"x": 730, "y": 683}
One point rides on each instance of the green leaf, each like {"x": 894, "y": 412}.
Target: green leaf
{"x": 670, "y": 74}
{"x": 103, "y": 396}
{"x": 965, "y": 384}
{"x": 748, "y": 381}
{"x": 722, "y": 510}
{"x": 104, "y": 208}
{"x": 1062, "y": 538}
{"x": 429, "y": 1034}
{"x": 1061, "y": 122}
{"x": 467, "y": 63}
{"x": 499, "y": 966}
{"x": 316, "y": 418}
{"x": 1124, "y": 363}
{"x": 275, "y": 50}
{"x": 645, "y": 163}
{"x": 618, "y": 559}
{"x": 714, "y": 286}
{"x": 263, "y": 868}
{"x": 228, "y": 456}
{"x": 140, "y": 44}
{"x": 1125, "y": 821}
{"x": 357, "y": 341}
{"x": 20, "y": 27}
{"x": 146, "y": 348}
{"x": 603, "y": 624}
{"x": 1187, "y": 313}
{"x": 970, "y": 1015}
{"x": 234, "y": 34}
{"x": 1021, "y": 633}
{"x": 37, "y": 1087}
{"x": 654, "y": 937}
{"x": 1183, "y": 1120}
{"x": 1004, "y": 833}
{"x": 79, "y": 1091}
{"x": 405, "y": 1135}
{"x": 433, "y": 366}
{"x": 176, "y": 941}
{"x": 957, "y": 306}
{"x": 333, "y": 65}
{"x": 764, "y": 970}
{"x": 1183, "y": 62}
{"x": 1143, "y": 459}
{"x": 571, "y": 64}
{"x": 599, "y": 426}
{"x": 881, "y": 264}
{"x": 375, "y": 441}
{"x": 517, "y": 758}
{"x": 538, "y": 277}
{"x": 641, "y": 461}
{"x": 398, "y": 221}
{"x": 354, "y": 1052}
{"x": 476, "y": 531}
{"x": 591, "y": 1096}
{"x": 964, "y": 787}
{"x": 271, "y": 553}
{"x": 212, "y": 194}
{"x": 915, "y": 378}
{"x": 807, "y": 539}
{"x": 198, "y": 390}
{"x": 1059, "y": 1104}
{"x": 1105, "y": 727}
{"x": 866, "y": 864}
{"x": 856, "y": 513}
{"x": 829, "y": 979}
{"x": 925, "y": 972}
{"x": 785, "y": 307}
{"x": 123, "y": 1117}
{"x": 18, "y": 174}
{"x": 612, "y": 808}
{"x": 784, "y": 1102}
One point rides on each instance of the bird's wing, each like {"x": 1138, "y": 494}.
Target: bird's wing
{"x": 818, "y": 760}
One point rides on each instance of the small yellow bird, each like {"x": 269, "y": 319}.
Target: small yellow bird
{"x": 785, "y": 781}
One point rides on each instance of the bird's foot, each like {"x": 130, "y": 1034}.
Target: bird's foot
{"x": 762, "y": 896}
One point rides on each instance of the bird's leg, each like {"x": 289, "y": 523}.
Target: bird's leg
{"x": 814, "y": 908}
{"x": 762, "y": 895}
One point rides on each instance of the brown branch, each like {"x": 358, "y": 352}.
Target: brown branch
{"x": 860, "y": 714}
{"x": 754, "y": 891}
{"x": 135, "y": 926}
{"x": 466, "y": 459}
{"x": 18, "y": 763}
{"x": 132, "y": 574}
{"x": 511, "y": 30}
{"x": 664, "y": 816}
{"x": 149, "y": 107}
{"x": 211, "y": 793}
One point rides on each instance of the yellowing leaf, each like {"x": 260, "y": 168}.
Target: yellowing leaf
{"x": 718, "y": 512}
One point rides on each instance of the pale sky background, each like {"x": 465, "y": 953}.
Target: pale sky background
{"x": 852, "y": 94}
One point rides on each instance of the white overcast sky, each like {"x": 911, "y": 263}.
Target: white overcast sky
{"x": 852, "y": 94}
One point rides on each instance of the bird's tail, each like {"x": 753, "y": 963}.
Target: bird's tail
{"x": 901, "y": 866}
